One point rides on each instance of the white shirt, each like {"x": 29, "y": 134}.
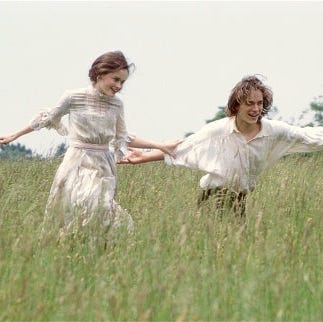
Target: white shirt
{"x": 233, "y": 162}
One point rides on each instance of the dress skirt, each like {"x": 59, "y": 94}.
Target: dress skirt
{"x": 83, "y": 192}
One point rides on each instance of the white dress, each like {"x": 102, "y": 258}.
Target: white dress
{"x": 84, "y": 186}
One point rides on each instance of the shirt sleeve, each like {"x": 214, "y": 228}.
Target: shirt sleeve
{"x": 51, "y": 118}
{"x": 200, "y": 150}
{"x": 307, "y": 139}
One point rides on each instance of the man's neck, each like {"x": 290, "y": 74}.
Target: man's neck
{"x": 249, "y": 131}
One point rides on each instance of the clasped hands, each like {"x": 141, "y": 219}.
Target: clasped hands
{"x": 137, "y": 156}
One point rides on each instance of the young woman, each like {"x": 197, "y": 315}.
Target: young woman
{"x": 84, "y": 186}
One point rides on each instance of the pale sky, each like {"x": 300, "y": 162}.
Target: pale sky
{"x": 188, "y": 56}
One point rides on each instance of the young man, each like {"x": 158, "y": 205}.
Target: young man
{"x": 233, "y": 151}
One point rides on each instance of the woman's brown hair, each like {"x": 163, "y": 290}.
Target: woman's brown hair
{"x": 107, "y": 63}
{"x": 240, "y": 93}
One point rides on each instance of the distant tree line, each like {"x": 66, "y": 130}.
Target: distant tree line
{"x": 19, "y": 151}
{"x": 316, "y": 106}
{"x": 15, "y": 151}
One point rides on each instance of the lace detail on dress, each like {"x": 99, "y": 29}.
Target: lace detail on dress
{"x": 46, "y": 119}
{"x": 120, "y": 147}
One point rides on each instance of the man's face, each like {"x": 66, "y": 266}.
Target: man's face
{"x": 250, "y": 110}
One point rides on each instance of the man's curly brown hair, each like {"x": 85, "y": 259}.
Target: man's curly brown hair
{"x": 240, "y": 93}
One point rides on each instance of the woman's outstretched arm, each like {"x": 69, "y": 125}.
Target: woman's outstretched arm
{"x": 166, "y": 147}
{"x": 11, "y": 137}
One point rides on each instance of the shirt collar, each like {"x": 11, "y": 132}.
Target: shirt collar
{"x": 264, "y": 130}
{"x": 233, "y": 125}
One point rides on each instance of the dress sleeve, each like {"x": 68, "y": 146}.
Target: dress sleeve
{"x": 122, "y": 138}
{"x": 51, "y": 118}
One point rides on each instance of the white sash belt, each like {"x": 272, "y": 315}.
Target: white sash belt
{"x": 89, "y": 146}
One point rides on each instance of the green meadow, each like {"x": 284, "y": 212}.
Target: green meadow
{"x": 180, "y": 264}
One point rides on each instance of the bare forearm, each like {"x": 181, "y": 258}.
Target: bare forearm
{"x": 165, "y": 147}
{"x": 23, "y": 131}
{"x": 155, "y": 155}
{"x": 11, "y": 137}
{"x": 140, "y": 143}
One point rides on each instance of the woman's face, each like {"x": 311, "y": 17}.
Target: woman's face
{"x": 111, "y": 83}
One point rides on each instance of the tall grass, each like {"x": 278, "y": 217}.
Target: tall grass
{"x": 180, "y": 264}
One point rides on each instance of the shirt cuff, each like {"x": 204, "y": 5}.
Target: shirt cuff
{"x": 168, "y": 159}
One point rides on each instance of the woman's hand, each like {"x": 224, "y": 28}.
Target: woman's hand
{"x": 11, "y": 137}
{"x": 137, "y": 156}
{"x": 134, "y": 157}
{"x": 7, "y": 139}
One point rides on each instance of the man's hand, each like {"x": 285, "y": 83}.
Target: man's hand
{"x": 169, "y": 147}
